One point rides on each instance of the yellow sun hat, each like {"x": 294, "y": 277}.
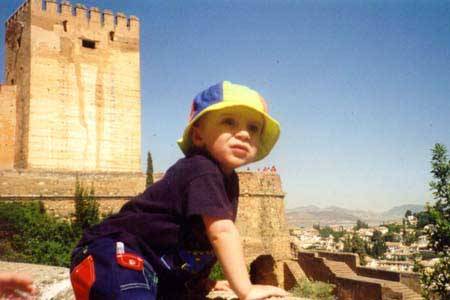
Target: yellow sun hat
{"x": 227, "y": 94}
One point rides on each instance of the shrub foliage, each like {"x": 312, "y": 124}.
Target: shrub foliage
{"x": 29, "y": 235}
{"x": 313, "y": 290}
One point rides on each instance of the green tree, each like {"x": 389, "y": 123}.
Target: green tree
{"x": 149, "y": 180}
{"x": 86, "y": 207}
{"x": 440, "y": 211}
{"x": 361, "y": 224}
{"x": 378, "y": 248}
{"x": 408, "y": 213}
{"x": 436, "y": 280}
{"x": 337, "y": 235}
{"x": 392, "y": 237}
{"x": 423, "y": 219}
{"x": 326, "y": 231}
{"x": 356, "y": 244}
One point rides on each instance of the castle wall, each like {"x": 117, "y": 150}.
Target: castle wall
{"x": 17, "y": 72}
{"x": 261, "y": 219}
{"x": 83, "y": 109}
{"x": 7, "y": 125}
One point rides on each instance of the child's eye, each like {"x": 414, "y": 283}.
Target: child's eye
{"x": 229, "y": 121}
{"x": 253, "y": 128}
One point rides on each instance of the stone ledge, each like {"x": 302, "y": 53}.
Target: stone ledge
{"x": 53, "y": 282}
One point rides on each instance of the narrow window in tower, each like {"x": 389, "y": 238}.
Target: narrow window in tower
{"x": 65, "y": 25}
{"x": 111, "y": 36}
{"x": 88, "y": 44}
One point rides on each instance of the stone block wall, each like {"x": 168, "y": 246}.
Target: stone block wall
{"x": 7, "y": 125}
{"x": 314, "y": 267}
{"x": 352, "y": 289}
{"x": 261, "y": 216}
{"x": 377, "y": 273}
{"x": 54, "y": 185}
{"x": 346, "y": 288}
{"x": 351, "y": 259}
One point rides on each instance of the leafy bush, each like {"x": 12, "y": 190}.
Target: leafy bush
{"x": 86, "y": 207}
{"x": 217, "y": 273}
{"x": 313, "y": 289}
{"x": 30, "y": 235}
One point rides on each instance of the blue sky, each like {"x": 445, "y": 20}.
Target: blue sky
{"x": 361, "y": 88}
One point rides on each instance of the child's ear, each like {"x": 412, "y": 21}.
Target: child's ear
{"x": 196, "y": 136}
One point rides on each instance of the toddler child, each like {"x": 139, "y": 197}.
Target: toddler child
{"x": 163, "y": 243}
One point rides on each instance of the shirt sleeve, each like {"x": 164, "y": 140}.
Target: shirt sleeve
{"x": 206, "y": 195}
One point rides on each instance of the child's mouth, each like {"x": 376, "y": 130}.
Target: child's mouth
{"x": 239, "y": 150}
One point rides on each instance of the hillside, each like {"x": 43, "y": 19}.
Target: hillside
{"x": 309, "y": 215}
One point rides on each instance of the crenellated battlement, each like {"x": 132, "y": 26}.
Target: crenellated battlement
{"x": 19, "y": 12}
{"x": 79, "y": 13}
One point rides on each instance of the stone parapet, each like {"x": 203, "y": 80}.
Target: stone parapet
{"x": 260, "y": 184}
{"x": 351, "y": 259}
{"x": 44, "y": 184}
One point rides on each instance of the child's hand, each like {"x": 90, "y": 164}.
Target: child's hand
{"x": 221, "y": 285}
{"x": 15, "y": 286}
{"x": 258, "y": 292}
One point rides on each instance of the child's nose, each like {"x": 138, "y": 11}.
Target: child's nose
{"x": 243, "y": 134}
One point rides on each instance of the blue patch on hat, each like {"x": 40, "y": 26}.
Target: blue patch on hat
{"x": 211, "y": 95}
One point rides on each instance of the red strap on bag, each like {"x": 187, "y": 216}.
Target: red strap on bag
{"x": 82, "y": 278}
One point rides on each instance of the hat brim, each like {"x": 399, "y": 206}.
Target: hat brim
{"x": 269, "y": 135}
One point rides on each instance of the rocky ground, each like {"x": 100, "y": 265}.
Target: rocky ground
{"x": 53, "y": 282}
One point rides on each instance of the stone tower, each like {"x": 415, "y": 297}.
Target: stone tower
{"x": 71, "y": 101}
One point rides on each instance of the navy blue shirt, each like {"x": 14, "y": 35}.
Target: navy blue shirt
{"x": 167, "y": 216}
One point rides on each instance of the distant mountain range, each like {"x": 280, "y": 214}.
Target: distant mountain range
{"x": 307, "y": 216}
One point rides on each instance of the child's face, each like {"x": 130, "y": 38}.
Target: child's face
{"x": 230, "y": 135}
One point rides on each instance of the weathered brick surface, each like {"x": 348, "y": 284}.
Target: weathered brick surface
{"x": 7, "y": 125}
{"x": 261, "y": 217}
{"x": 58, "y": 185}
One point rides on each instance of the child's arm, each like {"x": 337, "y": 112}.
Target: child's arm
{"x": 225, "y": 239}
